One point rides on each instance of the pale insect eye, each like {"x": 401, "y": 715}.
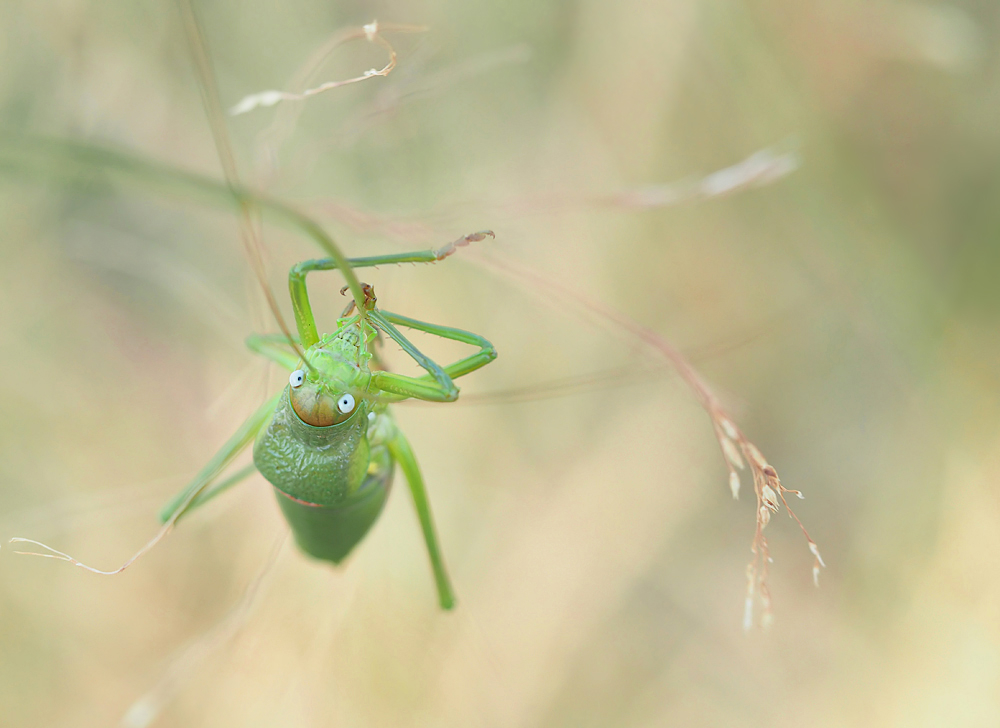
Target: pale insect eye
{"x": 297, "y": 378}
{"x": 345, "y": 404}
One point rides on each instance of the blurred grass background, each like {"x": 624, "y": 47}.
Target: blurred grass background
{"x": 598, "y": 557}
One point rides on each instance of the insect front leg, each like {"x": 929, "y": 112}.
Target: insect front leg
{"x": 304, "y": 319}
{"x": 487, "y": 352}
{"x": 194, "y": 495}
{"x": 271, "y": 346}
{"x": 437, "y": 384}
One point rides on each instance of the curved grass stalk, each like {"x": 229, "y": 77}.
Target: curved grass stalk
{"x": 89, "y": 166}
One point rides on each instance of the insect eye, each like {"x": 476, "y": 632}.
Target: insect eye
{"x": 297, "y": 378}
{"x": 345, "y": 404}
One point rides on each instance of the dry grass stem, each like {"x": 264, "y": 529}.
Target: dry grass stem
{"x": 762, "y": 168}
{"x": 372, "y": 32}
{"x": 165, "y": 529}
{"x": 768, "y": 489}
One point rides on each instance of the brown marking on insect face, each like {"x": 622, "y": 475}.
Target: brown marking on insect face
{"x": 316, "y": 407}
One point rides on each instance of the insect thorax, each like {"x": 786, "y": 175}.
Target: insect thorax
{"x": 315, "y": 449}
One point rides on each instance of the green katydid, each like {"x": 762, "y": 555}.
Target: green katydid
{"x": 328, "y": 443}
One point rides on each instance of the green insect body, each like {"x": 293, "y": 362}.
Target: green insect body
{"x": 328, "y": 443}
{"x": 330, "y": 469}
{"x": 304, "y": 451}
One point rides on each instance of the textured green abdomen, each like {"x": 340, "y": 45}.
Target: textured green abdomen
{"x": 330, "y": 532}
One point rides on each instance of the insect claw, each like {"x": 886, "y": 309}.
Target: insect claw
{"x": 444, "y": 252}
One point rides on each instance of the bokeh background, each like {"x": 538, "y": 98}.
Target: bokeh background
{"x": 847, "y": 314}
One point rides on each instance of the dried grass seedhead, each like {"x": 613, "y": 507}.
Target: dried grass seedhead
{"x": 770, "y": 499}
{"x": 372, "y": 32}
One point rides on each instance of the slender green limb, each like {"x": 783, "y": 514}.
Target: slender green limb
{"x": 487, "y": 352}
{"x": 304, "y": 319}
{"x": 437, "y": 384}
{"x": 305, "y": 322}
{"x": 397, "y": 387}
{"x": 245, "y": 435}
{"x": 218, "y": 488}
{"x": 400, "y": 449}
{"x": 442, "y": 389}
{"x": 419, "y": 256}
{"x": 275, "y": 348}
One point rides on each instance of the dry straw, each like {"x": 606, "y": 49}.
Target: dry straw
{"x": 372, "y": 32}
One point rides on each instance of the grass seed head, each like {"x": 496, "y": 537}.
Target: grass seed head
{"x": 734, "y": 484}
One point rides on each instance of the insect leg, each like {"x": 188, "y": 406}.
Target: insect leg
{"x": 267, "y": 345}
{"x": 304, "y": 319}
{"x": 400, "y": 449}
{"x": 192, "y": 495}
{"x": 437, "y": 384}
{"x": 219, "y": 488}
{"x": 487, "y": 352}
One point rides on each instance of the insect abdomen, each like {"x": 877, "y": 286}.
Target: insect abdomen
{"x": 330, "y": 533}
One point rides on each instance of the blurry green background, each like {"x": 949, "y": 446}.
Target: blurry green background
{"x": 847, "y": 313}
